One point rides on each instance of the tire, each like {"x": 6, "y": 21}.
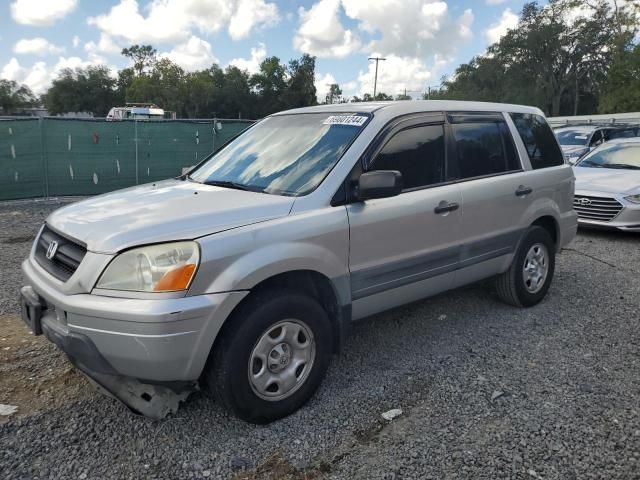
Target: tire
{"x": 511, "y": 285}
{"x": 237, "y": 373}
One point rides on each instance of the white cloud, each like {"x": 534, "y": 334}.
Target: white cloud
{"x": 174, "y": 20}
{"x": 495, "y": 2}
{"x": 38, "y": 77}
{"x": 411, "y": 28}
{"x": 36, "y": 46}
{"x": 252, "y": 65}
{"x": 250, "y": 13}
{"x": 105, "y": 45}
{"x": 321, "y": 33}
{"x": 41, "y": 12}
{"x": 496, "y": 31}
{"x": 395, "y": 75}
{"x": 194, "y": 54}
{"x": 76, "y": 41}
{"x": 322, "y": 83}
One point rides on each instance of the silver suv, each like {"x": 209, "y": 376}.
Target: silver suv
{"x": 245, "y": 274}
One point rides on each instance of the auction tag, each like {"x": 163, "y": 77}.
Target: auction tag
{"x": 352, "y": 120}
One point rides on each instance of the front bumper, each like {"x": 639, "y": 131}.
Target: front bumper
{"x": 122, "y": 343}
{"x": 628, "y": 219}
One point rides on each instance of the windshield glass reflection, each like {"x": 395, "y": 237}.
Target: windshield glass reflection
{"x": 285, "y": 154}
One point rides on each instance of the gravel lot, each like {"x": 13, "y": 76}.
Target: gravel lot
{"x": 487, "y": 391}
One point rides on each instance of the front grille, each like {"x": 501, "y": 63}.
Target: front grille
{"x": 602, "y": 209}
{"x": 67, "y": 258}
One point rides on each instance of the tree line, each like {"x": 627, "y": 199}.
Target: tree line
{"x": 559, "y": 63}
{"x": 556, "y": 59}
{"x": 226, "y": 93}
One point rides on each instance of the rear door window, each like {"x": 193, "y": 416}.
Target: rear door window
{"x": 483, "y": 148}
{"x": 538, "y": 139}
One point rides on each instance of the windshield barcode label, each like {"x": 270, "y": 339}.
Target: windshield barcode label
{"x": 352, "y": 120}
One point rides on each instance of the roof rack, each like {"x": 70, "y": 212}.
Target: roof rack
{"x": 609, "y": 120}
{"x": 141, "y": 105}
{"x": 597, "y": 124}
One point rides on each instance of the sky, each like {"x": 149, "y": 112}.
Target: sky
{"x": 422, "y": 40}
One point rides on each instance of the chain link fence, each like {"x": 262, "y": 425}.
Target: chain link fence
{"x": 50, "y": 156}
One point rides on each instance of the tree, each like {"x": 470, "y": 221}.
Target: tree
{"x": 382, "y": 97}
{"x": 270, "y": 84}
{"x": 553, "y": 59}
{"x": 301, "y": 88}
{"x": 143, "y": 57}
{"x": 334, "y": 94}
{"x": 14, "y": 96}
{"x": 622, "y": 89}
{"x": 90, "y": 89}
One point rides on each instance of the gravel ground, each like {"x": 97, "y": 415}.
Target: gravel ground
{"x": 487, "y": 391}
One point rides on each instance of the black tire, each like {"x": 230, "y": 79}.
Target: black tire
{"x": 226, "y": 374}
{"x": 510, "y": 285}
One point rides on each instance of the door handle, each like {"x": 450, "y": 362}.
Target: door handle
{"x": 523, "y": 191}
{"x": 446, "y": 207}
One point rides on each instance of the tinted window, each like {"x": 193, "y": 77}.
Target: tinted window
{"x": 538, "y": 138}
{"x": 483, "y": 148}
{"x": 418, "y": 153}
{"x": 620, "y": 133}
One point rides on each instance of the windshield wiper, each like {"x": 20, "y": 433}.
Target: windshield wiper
{"x": 234, "y": 185}
{"x": 621, "y": 165}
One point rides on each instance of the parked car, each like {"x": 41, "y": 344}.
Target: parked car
{"x": 608, "y": 186}
{"x": 577, "y": 141}
{"x": 247, "y": 272}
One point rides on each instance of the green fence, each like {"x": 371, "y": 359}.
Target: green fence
{"x": 56, "y": 156}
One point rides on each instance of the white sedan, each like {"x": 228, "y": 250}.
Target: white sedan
{"x": 608, "y": 186}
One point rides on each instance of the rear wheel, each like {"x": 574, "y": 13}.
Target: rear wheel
{"x": 273, "y": 356}
{"x": 529, "y": 276}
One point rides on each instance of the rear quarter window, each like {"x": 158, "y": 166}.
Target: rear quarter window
{"x": 538, "y": 139}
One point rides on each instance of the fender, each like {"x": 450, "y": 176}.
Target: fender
{"x": 239, "y": 259}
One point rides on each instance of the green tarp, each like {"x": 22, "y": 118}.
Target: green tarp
{"x": 55, "y": 157}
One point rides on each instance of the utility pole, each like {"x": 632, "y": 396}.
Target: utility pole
{"x": 375, "y": 81}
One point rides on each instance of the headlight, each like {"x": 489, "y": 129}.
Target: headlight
{"x": 167, "y": 267}
{"x": 633, "y": 198}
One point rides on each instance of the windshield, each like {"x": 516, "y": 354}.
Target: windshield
{"x": 284, "y": 154}
{"x": 620, "y": 155}
{"x": 572, "y": 137}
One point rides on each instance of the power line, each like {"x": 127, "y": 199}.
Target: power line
{"x": 375, "y": 81}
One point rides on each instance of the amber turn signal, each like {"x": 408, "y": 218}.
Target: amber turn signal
{"x": 176, "y": 279}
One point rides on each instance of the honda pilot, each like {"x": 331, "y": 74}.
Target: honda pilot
{"x": 244, "y": 275}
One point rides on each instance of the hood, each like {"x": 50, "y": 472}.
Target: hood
{"x": 164, "y": 211}
{"x": 609, "y": 180}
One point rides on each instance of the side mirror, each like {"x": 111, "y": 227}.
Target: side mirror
{"x": 379, "y": 184}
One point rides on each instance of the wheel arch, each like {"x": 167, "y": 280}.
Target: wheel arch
{"x": 550, "y": 224}
{"x": 304, "y": 281}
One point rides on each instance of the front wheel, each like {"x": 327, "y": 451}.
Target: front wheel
{"x": 273, "y": 356}
{"x": 529, "y": 276}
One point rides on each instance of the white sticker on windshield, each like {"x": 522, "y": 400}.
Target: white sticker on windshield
{"x": 352, "y": 120}
{"x": 581, "y": 137}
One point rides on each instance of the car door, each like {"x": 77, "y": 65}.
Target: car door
{"x": 495, "y": 192}
{"x": 405, "y": 247}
